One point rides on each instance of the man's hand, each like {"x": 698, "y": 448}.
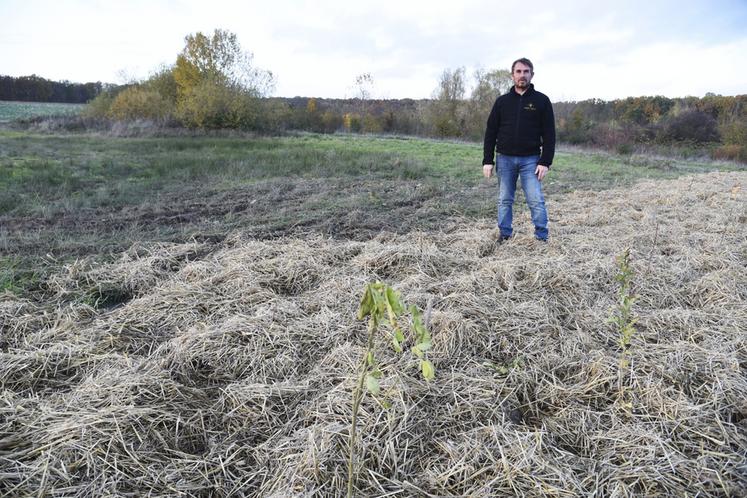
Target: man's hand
{"x": 487, "y": 170}
{"x": 541, "y": 171}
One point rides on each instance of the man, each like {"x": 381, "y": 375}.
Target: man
{"x": 521, "y": 127}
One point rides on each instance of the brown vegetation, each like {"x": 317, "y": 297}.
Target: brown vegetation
{"x": 217, "y": 369}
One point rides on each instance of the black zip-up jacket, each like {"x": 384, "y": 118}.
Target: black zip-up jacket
{"x": 519, "y": 125}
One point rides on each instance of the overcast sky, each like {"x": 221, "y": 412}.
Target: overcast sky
{"x": 581, "y": 49}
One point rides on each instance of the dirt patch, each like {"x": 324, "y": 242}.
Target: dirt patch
{"x": 355, "y": 209}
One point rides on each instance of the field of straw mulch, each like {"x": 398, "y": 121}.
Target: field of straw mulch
{"x": 227, "y": 370}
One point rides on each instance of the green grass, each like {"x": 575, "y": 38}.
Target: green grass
{"x": 41, "y": 173}
{"x": 10, "y": 111}
{"x": 45, "y": 174}
{"x": 82, "y": 195}
{"x": 596, "y": 170}
{"x": 18, "y": 274}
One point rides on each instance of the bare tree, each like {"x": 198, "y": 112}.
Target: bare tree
{"x": 489, "y": 85}
{"x": 445, "y": 113}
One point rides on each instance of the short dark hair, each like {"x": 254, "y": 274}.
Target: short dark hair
{"x": 524, "y": 61}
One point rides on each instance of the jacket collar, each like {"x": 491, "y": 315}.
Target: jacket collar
{"x": 529, "y": 90}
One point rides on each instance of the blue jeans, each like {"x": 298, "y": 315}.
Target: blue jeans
{"x": 508, "y": 169}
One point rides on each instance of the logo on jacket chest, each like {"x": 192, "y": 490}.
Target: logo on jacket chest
{"x": 530, "y": 107}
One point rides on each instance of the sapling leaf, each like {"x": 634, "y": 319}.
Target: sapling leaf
{"x": 417, "y": 323}
{"x": 372, "y": 384}
{"x": 392, "y": 319}
{"x": 399, "y": 335}
{"x": 392, "y": 297}
{"x": 429, "y": 372}
{"x": 379, "y": 304}
{"x": 421, "y": 347}
{"x": 397, "y": 339}
{"x": 396, "y": 345}
{"x": 425, "y": 345}
{"x": 501, "y": 368}
{"x": 367, "y": 303}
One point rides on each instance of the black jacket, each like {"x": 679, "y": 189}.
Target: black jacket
{"x": 519, "y": 125}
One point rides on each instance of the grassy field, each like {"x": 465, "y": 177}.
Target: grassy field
{"x": 77, "y": 195}
{"x": 10, "y": 111}
{"x": 177, "y": 318}
{"x": 44, "y": 174}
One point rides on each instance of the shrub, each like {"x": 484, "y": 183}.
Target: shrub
{"x": 576, "y": 130}
{"x": 331, "y": 122}
{"x": 214, "y": 105}
{"x": 352, "y": 122}
{"x": 371, "y": 124}
{"x": 163, "y": 83}
{"x": 275, "y": 116}
{"x": 731, "y": 152}
{"x": 137, "y": 102}
{"x": 735, "y": 133}
{"x": 624, "y": 149}
{"x": 99, "y": 106}
{"x": 689, "y": 126}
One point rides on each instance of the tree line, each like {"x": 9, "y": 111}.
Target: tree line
{"x": 37, "y": 89}
{"x": 213, "y": 84}
{"x": 714, "y": 121}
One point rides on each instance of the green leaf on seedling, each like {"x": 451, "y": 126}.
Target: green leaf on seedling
{"x": 429, "y": 372}
{"x": 502, "y": 368}
{"x": 396, "y": 345}
{"x": 399, "y": 335}
{"x": 420, "y": 348}
{"x": 372, "y": 384}
{"x": 397, "y": 339}
{"x": 371, "y": 299}
{"x": 392, "y": 298}
{"x": 370, "y": 360}
{"x": 367, "y": 304}
{"x": 417, "y": 320}
{"x": 425, "y": 345}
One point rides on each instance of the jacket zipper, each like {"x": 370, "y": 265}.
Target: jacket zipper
{"x": 518, "y": 116}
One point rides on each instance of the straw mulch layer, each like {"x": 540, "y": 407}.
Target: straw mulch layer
{"x": 227, "y": 370}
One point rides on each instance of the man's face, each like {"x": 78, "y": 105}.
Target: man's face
{"x": 522, "y": 75}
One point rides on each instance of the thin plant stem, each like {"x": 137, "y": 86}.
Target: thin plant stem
{"x": 357, "y": 398}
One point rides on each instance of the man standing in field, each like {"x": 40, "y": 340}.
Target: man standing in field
{"x": 521, "y": 127}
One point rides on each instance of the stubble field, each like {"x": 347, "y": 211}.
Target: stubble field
{"x": 178, "y": 318}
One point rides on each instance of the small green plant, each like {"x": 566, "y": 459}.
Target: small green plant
{"x": 17, "y": 275}
{"x": 624, "y": 320}
{"x": 625, "y": 149}
{"x": 381, "y": 304}
{"x": 505, "y": 367}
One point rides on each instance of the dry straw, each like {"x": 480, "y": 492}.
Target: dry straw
{"x": 227, "y": 370}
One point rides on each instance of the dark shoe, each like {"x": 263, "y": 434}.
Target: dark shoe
{"x": 503, "y": 238}
{"x": 541, "y": 240}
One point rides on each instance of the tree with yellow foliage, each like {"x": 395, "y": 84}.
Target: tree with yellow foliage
{"x": 217, "y": 84}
